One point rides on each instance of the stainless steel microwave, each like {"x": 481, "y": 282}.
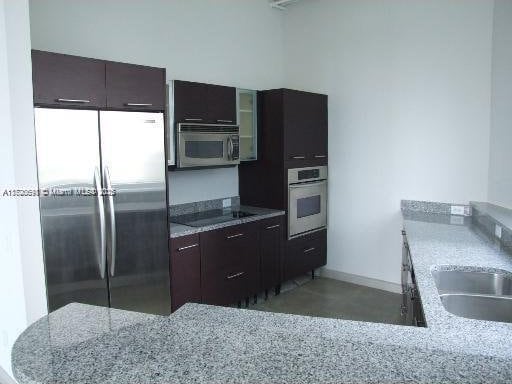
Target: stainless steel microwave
{"x": 207, "y": 145}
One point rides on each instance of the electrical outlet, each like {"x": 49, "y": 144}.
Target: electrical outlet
{"x": 497, "y": 231}
{"x": 457, "y": 210}
{"x": 456, "y": 220}
{"x": 226, "y": 203}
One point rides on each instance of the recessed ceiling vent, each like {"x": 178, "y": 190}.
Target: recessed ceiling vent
{"x": 281, "y": 4}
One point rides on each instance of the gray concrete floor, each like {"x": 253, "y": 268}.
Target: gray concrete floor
{"x": 324, "y": 297}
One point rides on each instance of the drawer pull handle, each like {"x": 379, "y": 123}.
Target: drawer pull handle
{"x": 224, "y": 121}
{"x": 193, "y": 119}
{"x": 320, "y": 156}
{"x": 235, "y": 275}
{"x": 138, "y": 104}
{"x": 298, "y": 157}
{"x": 187, "y": 247}
{"x": 309, "y": 250}
{"x": 273, "y": 226}
{"x": 73, "y": 101}
{"x": 234, "y": 236}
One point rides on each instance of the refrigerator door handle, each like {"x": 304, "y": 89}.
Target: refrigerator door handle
{"x": 113, "y": 229}
{"x": 101, "y": 211}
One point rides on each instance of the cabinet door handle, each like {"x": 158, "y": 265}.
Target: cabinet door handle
{"x": 235, "y": 275}
{"x": 77, "y": 101}
{"x": 224, "y": 121}
{"x": 320, "y": 156}
{"x": 309, "y": 250}
{"x": 193, "y": 119}
{"x": 138, "y": 104}
{"x": 298, "y": 157}
{"x": 273, "y": 226}
{"x": 234, "y": 236}
{"x": 187, "y": 247}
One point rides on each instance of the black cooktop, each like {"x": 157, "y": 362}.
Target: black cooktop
{"x": 215, "y": 216}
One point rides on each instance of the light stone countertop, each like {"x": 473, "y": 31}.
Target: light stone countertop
{"x": 179, "y": 230}
{"x": 206, "y": 344}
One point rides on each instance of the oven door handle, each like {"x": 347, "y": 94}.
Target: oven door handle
{"x": 311, "y": 184}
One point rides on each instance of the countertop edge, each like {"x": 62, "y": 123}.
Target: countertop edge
{"x": 183, "y": 230}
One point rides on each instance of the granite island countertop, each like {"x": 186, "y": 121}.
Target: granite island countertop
{"x": 179, "y": 230}
{"x": 207, "y": 344}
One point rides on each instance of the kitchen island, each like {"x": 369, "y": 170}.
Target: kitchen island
{"x": 205, "y": 344}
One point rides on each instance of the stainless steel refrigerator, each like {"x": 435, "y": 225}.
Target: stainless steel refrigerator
{"x": 104, "y": 248}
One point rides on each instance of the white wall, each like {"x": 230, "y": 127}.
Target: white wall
{"x": 409, "y": 105}
{"x": 500, "y": 168}
{"x": 22, "y": 289}
{"x": 229, "y": 42}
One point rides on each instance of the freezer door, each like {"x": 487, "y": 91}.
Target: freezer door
{"x": 134, "y": 166}
{"x": 68, "y": 161}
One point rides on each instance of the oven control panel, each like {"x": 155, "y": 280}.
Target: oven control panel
{"x": 303, "y": 175}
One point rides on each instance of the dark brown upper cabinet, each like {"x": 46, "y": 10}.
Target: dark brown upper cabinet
{"x": 221, "y": 104}
{"x": 305, "y": 126}
{"x": 292, "y": 133}
{"x": 137, "y": 87}
{"x": 204, "y": 103}
{"x": 64, "y": 80}
{"x": 190, "y": 102}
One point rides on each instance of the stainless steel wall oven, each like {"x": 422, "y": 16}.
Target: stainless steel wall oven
{"x": 307, "y": 200}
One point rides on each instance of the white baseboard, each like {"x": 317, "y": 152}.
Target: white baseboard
{"x": 5, "y": 378}
{"x": 361, "y": 280}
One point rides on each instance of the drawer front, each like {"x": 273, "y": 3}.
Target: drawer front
{"x": 225, "y": 288}
{"x": 305, "y": 254}
{"x": 228, "y": 248}
{"x": 229, "y": 264}
{"x": 185, "y": 271}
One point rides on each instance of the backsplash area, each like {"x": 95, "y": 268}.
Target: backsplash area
{"x": 201, "y": 185}
{"x": 433, "y": 207}
{"x": 494, "y": 221}
{"x": 206, "y": 205}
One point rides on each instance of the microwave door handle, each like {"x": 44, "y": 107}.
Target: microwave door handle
{"x": 230, "y": 148}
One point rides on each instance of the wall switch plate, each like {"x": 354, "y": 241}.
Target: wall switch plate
{"x": 497, "y": 231}
{"x": 457, "y": 210}
{"x": 226, "y": 203}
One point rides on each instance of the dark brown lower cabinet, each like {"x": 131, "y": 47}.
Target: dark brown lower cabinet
{"x": 271, "y": 240}
{"x": 304, "y": 254}
{"x": 185, "y": 271}
{"x": 229, "y": 264}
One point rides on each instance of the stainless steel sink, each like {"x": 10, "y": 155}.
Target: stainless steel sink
{"x": 480, "y": 307}
{"x": 476, "y": 294}
{"x": 473, "y": 282}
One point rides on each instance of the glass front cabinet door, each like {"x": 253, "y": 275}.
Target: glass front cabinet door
{"x": 247, "y": 120}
